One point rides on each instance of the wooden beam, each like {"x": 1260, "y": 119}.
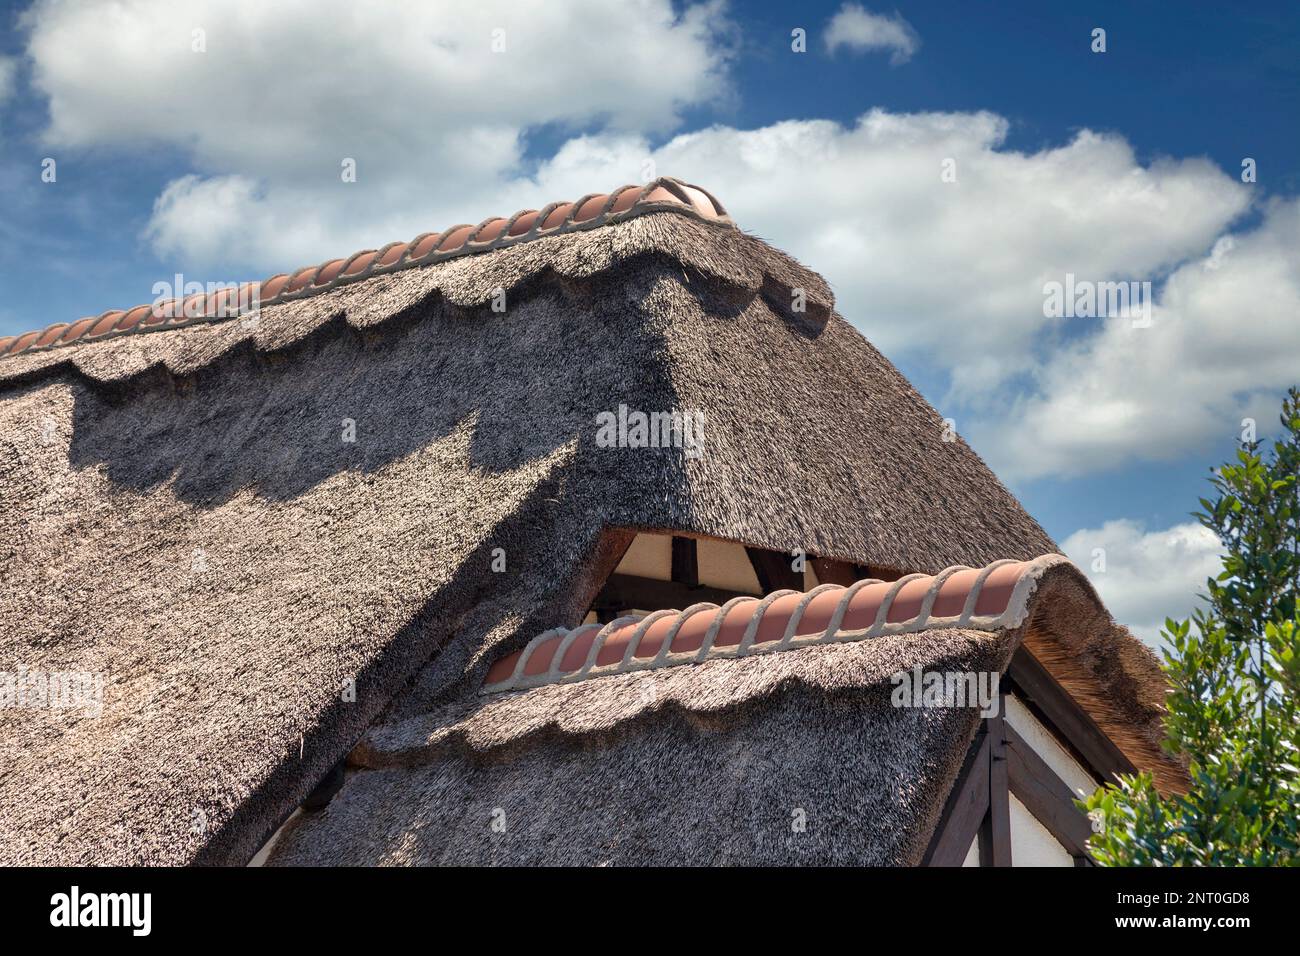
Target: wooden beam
{"x": 686, "y": 563}
{"x": 1046, "y": 796}
{"x": 965, "y": 809}
{"x": 624, "y": 592}
{"x": 880, "y": 574}
{"x": 773, "y": 570}
{"x": 830, "y": 571}
{"x": 1070, "y": 723}
{"x": 999, "y": 827}
{"x": 985, "y": 838}
{"x": 998, "y": 764}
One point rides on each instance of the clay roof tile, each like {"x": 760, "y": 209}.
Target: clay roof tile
{"x": 988, "y": 598}
{"x": 590, "y": 211}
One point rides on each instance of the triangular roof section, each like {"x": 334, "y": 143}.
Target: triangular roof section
{"x": 258, "y": 532}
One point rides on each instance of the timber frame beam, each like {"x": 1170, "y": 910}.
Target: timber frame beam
{"x": 1048, "y": 701}
{"x": 1000, "y": 763}
{"x": 967, "y": 807}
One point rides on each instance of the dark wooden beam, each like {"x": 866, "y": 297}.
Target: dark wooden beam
{"x": 999, "y": 828}
{"x": 985, "y": 837}
{"x": 324, "y": 791}
{"x": 624, "y": 592}
{"x": 686, "y": 563}
{"x": 965, "y": 809}
{"x": 999, "y": 763}
{"x": 773, "y": 570}
{"x": 880, "y": 574}
{"x": 1046, "y": 796}
{"x": 1070, "y": 723}
{"x": 830, "y": 571}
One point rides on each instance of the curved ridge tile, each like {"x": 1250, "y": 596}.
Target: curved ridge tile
{"x": 480, "y": 723}
{"x": 592, "y": 211}
{"x": 989, "y": 599}
{"x": 726, "y": 255}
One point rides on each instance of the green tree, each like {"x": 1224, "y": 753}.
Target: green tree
{"x": 1234, "y": 676}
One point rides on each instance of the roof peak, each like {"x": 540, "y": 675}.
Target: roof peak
{"x": 663, "y": 194}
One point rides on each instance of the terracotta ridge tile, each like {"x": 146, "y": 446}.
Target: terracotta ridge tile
{"x": 496, "y": 232}
{"x": 986, "y": 599}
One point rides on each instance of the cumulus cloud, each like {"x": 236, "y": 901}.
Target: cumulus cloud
{"x": 1223, "y": 343}
{"x": 937, "y": 239}
{"x": 1148, "y": 575}
{"x": 951, "y": 272}
{"x": 292, "y": 79}
{"x": 862, "y": 31}
{"x": 433, "y": 101}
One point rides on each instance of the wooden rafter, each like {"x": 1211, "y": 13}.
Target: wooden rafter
{"x": 685, "y": 562}
{"x": 1061, "y": 714}
{"x": 773, "y": 570}
{"x": 966, "y": 808}
{"x": 1046, "y": 796}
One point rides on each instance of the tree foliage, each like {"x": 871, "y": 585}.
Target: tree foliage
{"x": 1234, "y": 676}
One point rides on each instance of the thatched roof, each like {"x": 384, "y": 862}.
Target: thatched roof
{"x": 715, "y": 771}
{"x": 183, "y": 515}
{"x": 708, "y": 762}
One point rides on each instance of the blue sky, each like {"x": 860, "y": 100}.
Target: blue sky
{"x": 222, "y": 164}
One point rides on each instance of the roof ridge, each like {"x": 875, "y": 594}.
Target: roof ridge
{"x": 662, "y": 194}
{"x": 989, "y": 598}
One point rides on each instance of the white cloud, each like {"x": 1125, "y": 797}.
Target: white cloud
{"x": 299, "y": 78}
{"x": 1224, "y": 342}
{"x": 413, "y": 92}
{"x": 860, "y": 30}
{"x": 951, "y": 273}
{"x": 1149, "y": 575}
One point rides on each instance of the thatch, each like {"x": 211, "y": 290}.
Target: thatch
{"x": 706, "y": 763}
{"x": 714, "y": 765}
{"x": 180, "y": 515}
{"x": 1111, "y": 674}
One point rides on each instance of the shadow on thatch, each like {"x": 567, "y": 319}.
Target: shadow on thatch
{"x": 522, "y": 602}
{"x": 529, "y": 380}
